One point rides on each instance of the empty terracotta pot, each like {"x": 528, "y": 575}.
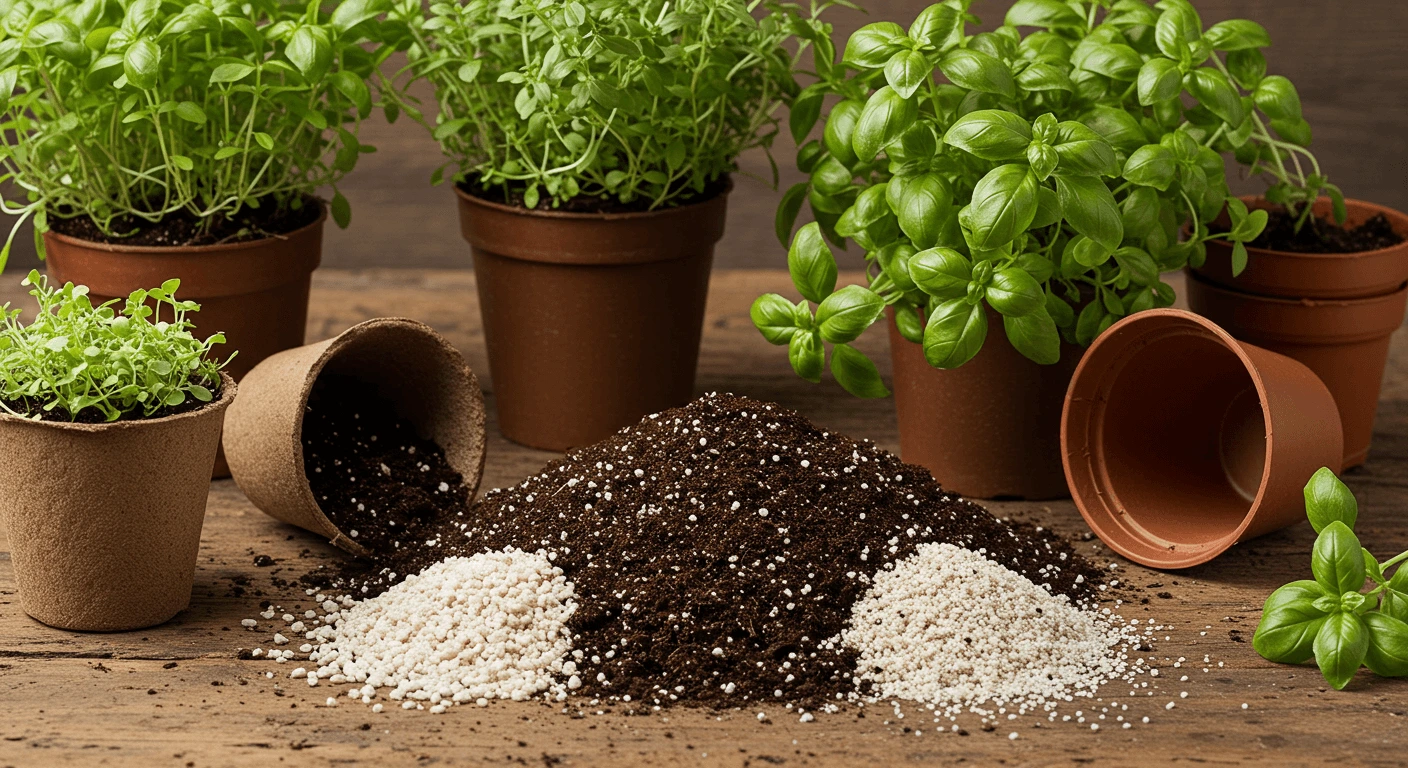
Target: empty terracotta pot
{"x": 254, "y": 292}
{"x": 592, "y": 321}
{"x": 1314, "y": 275}
{"x": 104, "y": 519}
{"x": 1344, "y": 341}
{"x": 989, "y": 429}
{"x": 400, "y": 360}
{"x": 1180, "y": 441}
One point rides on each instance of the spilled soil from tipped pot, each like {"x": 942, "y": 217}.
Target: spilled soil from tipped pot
{"x": 1322, "y": 235}
{"x": 512, "y": 195}
{"x": 184, "y": 229}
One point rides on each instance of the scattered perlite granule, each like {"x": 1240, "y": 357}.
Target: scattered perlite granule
{"x": 950, "y": 627}
{"x": 489, "y": 626}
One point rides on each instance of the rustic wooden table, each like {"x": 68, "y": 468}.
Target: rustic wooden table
{"x": 181, "y": 695}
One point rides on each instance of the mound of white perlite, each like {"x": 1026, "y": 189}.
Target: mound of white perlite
{"x": 489, "y": 626}
{"x": 949, "y": 627}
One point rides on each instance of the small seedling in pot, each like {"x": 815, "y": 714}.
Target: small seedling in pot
{"x": 79, "y": 362}
{"x": 1333, "y": 618}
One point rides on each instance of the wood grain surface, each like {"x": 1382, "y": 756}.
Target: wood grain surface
{"x": 1346, "y": 57}
{"x": 181, "y": 695}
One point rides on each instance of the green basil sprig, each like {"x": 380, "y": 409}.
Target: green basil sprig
{"x": 1043, "y": 178}
{"x": 1333, "y": 618}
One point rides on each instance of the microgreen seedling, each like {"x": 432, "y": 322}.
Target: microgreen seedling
{"x": 74, "y": 358}
{"x": 1333, "y": 618}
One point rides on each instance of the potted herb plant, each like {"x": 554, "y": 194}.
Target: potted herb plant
{"x": 159, "y": 139}
{"x": 110, "y": 422}
{"x": 591, "y": 146}
{"x": 1039, "y": 183}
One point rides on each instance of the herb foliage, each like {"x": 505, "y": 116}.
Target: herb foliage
{"x": 1045, "y": 175}
{"x": 74, "y": 356}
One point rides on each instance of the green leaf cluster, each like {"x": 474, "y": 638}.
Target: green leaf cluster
{"x": 74, "y": 357}
{"x": 638, "y": 101}
{"x": 1046, "y": 176}
{"x": 125, "y": 110}
{"x": 1333, "y": 617}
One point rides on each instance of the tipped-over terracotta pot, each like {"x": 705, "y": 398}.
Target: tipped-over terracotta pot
{"x": 989, "y": 429}
{"x": 255, "y": 292}
{"x": 1314, "y": 275}
{"x": 1180, "y": 441}
{"x": 104, "y": 519}
{"x": 399, "y": 360}
{"x": 592, "y": 321}
{"x": 1344, "y": 341}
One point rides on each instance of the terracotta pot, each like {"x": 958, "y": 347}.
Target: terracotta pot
{"x": 1315, "y": 275}
{"x": 989, "y": 429}
{"x": 255, "y": 292}
{"x": 592, "y": 321}
{"x": 403, "y": 361}
{"x": 1345, "y": 342}
{"x": 1179, "y": 441}
{"x": 104, "y": 519}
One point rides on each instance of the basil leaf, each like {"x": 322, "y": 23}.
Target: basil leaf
{"x": 1395, "y": 602}
{"x": 1117, "y": 126}
{"x": 1003, "y": 205}
{"x": 1340, "y": 648}
{"x": 870, "y": 206}
{"x": 1336, "y": 561}
{"x": 1042, "y": 76}
{"x": 1113, "y": 60}
{"x": 885, "y": 117}
{"x": 907, "y": 320}
{"x": 1152, "y": 165}
{"x": 873, "y": 44}
{"x": 806, "y": 355}
{"x": 1090, "y": 209}
{"x": 1213, "y": 90}
{"x": 1286, "y": 633}
{"x": 894, "y": 261}
{"x": 840, "y": 129}
{"x": 1140, "y": 212}
{"x": 922, "y": 200}
{"x": 1247, "y": 67}
{"x": 991, "y": 134}
{"x": 906, "y": 71}
{"x": 1277, "y": 97}
{"x": 845, "y": 314}
{"x": 1138, "y": 265}
{"x": 1178, "y": 26}
{"x": 1035, "y": 336}
{"x": 941, "y": 272}
{"x": 1048, "y": 208}
{"x": 1296, "y": 131}
{"x": 1387, "y": 655}
{"x": 1042, "y": 13}
{"x": 142, "y": 63}
{"x": 1159, "y": 80}
{"x": 1305, "y": 589}
{"x": 978, "y": 71}
{"x": 1236, "y": 35}
{"x": 955, "y": 333}
{"x": 1327, "y": 500}
{"x": 774, "y": 317}
{"x": 1015, "y": 293}
{"x": 856, "y": 373}
{"x": 1060, "y": 311}
{"x": 936, "y": 24}
{"x": 803, "y": 114}
{"x": 811, "y": 264}
{"x": 1084, "y": 152}
{"x": 1090, "y": 322}
{"x": 1035, "y": 264}
{"x": 787, "y": 211}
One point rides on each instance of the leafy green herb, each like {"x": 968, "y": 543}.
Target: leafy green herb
{"x": 624, "y": 99}
{"x": 75, "y": 357}
{"x": 1046, "y": 176}
{"x": 126, "y": 110}
{"x": 1334, "y": 618}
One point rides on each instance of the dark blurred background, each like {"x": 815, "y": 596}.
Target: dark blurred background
{"x": 1348, "y": 58}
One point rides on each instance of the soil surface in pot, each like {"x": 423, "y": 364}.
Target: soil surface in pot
{"x": 33, "y": 407}
{"x": 371, "y": 474}
{"x": 182, "y": 229}
{"x": 513, "y": 195}
{"x": 727, "y": 524}
{"x": 1324, "y": 235}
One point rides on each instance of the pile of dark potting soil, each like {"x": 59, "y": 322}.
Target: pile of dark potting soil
{"x": 371, "y": 474}
{"x": 717, "y": 550}
{"x": 182, "y": 228}
{"x": 1324, "y": 235}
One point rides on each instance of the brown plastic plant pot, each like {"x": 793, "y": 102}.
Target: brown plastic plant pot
{"x": 592, "y": 321}
{"x": 104, "y": 519}
{"x": 989, "y": 429}
{"x": 255, "y": 292}
{"x": 1314, "y": 275}
{"x": 1344, "y": 341}
{"x": 1180, "y": 441}
{"x": 400, "y": 360}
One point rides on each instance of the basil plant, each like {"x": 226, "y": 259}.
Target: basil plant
{"x": 1046, "y": 176}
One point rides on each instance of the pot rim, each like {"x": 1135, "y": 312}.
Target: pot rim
{"x": 1110, "y": 518}
{"x": 228, "y": 390}
{"x": 161, "y": 250}
{"x": 606, "y": 216}
{"x": 1357, "y": 301}
{"x": 1390, "y": 213}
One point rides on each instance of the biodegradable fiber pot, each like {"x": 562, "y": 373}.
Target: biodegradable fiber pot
{"x": 1344, "y": 341}
{"x": 592, "y": 321}
{"x": 1180, "y": 441}
{"x": 104, "y": 519}
{"x": 1315, "y": 275}
{"x": 990, "y": 428}
{"x": 402, "y": 361}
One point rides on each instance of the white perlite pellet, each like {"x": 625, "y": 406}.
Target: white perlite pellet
{"x": 492, "y": 625}
{"x": 948, "y": 626}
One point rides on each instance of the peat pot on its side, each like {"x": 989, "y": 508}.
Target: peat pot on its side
{"x": 1179, "y": 441}
{"x": 989, "y": 429}
{"x": 104, "y": 520}
{"x": 402, "y": 361}
{"x": 1344, "y": 341}
{"x": 592, "y": 321}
